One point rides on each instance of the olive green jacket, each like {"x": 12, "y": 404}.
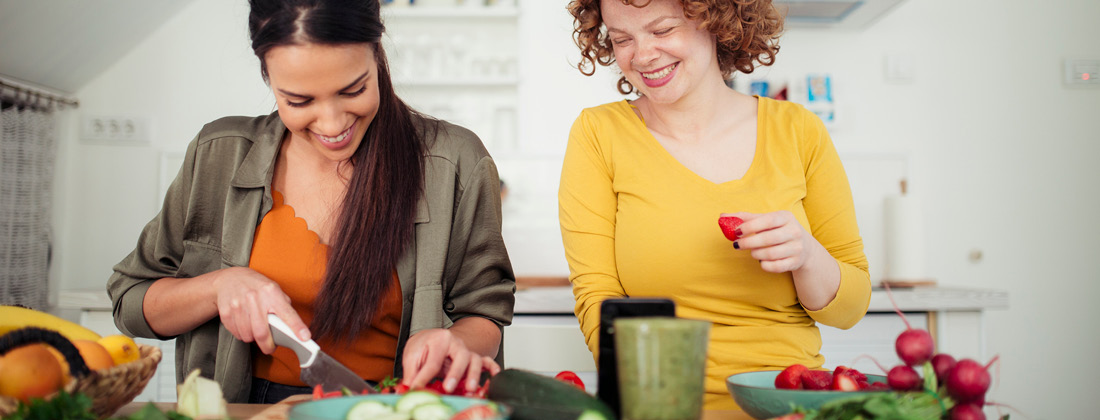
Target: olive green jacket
{"x": 457, "y": 266}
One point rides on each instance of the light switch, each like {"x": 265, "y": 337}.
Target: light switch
{"x": 899, "y": 68}
{"x": 1082, "y": 72}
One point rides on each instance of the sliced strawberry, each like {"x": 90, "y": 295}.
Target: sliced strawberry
{"x": 844, "y": 382}
{"x": 482, "y": 390}
{"x": 436, "y": 385}
{"x": 730, "y": 226}
{"x": 477, "y": 412}
{"x": 878, "y": 386}
{"x": 817, "y": 379}
{"x": 855, "y": 374}
{"x": 792, "y": 416}
{"x": 791, "y": 377}
{"x": 318, "y": 393}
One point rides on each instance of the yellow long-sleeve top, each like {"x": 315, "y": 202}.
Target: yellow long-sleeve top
{"x": 636, "y": 222}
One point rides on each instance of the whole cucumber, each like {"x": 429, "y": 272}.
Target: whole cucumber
{"x": 537, "y": 397}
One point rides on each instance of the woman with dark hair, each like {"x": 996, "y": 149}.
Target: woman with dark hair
{"x": 644, "y": 182}
{"x": 364, "y": 225}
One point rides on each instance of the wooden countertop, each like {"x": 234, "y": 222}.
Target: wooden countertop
{"x": 279, "y": 411}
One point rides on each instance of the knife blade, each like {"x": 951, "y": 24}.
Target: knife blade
{"x": 318, "y": 368}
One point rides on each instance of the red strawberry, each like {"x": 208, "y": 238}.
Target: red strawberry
{"x": 855, "y": 374}
{"x": 730, "y": 226}
{"x": 570, "y": 378}
{"x": 844, "y": 382}
{"x": 477, "y": 412}
{"x": 817, "y": 379}
{"x": 878, "y": 386}
{"x": 791, "y": 377}
{"x": 792, "y": 416}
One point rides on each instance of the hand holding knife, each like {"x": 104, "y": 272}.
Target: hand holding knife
{"x": 318, "y": 368}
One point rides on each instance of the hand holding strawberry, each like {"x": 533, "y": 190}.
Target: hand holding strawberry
{"x": 730, "y": 226}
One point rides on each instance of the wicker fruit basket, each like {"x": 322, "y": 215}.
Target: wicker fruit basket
{"x": 109, "y": 389}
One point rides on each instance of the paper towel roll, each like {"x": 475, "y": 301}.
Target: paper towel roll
{"x": 905, "y": 240}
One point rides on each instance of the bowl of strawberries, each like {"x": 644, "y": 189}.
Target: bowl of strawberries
{"x": 773, "y": 393}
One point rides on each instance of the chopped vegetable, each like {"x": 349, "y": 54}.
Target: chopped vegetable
{"x": 413, "y": 399}
{"x": 199, "y": 397}
{"x": 432, "y": 411}
{"x": 368, "y": 409}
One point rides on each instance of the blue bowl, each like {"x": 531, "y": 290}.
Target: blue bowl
{"x": 755, "y": 392}
{"x": 336, "y": 408}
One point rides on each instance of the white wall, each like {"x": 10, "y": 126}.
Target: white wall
{"x": 998, "y": 148}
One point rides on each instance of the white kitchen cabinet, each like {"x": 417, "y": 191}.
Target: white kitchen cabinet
{"x": 460, "y": 64}
{"x": 545, "y": 336}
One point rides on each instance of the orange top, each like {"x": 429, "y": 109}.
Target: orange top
{"x": 290, "y": 254}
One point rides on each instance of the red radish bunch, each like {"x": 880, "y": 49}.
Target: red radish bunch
{"x": 903, "y": 378}
{"x": 968, "y": 381}
{"x": 941, "y": 364}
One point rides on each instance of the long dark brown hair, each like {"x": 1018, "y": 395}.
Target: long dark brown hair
{"x": 375, "y": 223}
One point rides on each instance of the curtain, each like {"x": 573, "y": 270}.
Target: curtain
{"x": 28, "y": 142}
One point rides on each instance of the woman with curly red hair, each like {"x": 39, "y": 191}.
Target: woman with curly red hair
{"x": 644, "y": 181}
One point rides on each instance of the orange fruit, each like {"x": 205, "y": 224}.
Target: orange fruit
{"x": 94, "y": 354}
{"x": 65, "y": 376}
{"x": 123, "y": 349}
{"x": 29, "y": 371}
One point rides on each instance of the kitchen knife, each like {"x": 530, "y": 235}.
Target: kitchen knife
{"x": 318, "y": 368}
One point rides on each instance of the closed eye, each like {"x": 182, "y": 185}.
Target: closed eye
{"x": 300, "y": 103}
{"x": 356, "y": 93}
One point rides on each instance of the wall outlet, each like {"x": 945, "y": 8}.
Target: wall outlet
{"x": 115, "y": 129}
{"x": 1082, "y": 72}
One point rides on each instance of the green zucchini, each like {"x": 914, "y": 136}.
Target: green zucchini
{"x": 537, "y": 397}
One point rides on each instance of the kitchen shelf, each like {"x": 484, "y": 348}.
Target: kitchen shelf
{"x": 495, "y": 82}
{"x": 504, "y": 12}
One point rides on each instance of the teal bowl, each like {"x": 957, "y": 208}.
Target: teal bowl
{"x": 755, "y": 392}
{"x": 336, "y": 408}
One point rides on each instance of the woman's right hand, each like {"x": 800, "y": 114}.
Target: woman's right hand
{"x": 245, "y": 297}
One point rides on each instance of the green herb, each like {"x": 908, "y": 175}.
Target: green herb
{"x": 388, "y": 382}
{"x": 63, "y": 406}
{"x": 151, "y": 412}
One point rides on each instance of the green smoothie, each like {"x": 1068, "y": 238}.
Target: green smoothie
{"x": 662, "y": 363}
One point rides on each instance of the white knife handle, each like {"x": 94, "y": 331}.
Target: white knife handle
{"x": 283, "y": 336}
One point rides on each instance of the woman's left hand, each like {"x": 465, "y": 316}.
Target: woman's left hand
{"x": 439, "y": 352}
{"x": 776, "y": 239}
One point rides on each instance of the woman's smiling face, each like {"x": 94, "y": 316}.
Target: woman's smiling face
{"x": 662, "y": 53}
{"x": 327, "y": 95}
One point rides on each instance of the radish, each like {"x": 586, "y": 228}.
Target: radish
{"x": 968, "y": 380}
{"x": 967, "y": 411}
{"x": 903, "y": 378}
{"x": 941, "y": 364}
{"x": 914, "y": 346}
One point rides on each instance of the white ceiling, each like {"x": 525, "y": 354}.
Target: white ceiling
{"x": 64, "y": 44}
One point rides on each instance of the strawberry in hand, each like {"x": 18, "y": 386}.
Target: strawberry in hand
{"x": 731, "y": 227}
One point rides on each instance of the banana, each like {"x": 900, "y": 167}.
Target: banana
{"x": 15, "y": 317}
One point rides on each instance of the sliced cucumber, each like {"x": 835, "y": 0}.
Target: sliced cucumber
{"x": 592, "y": 415}
{"x": 432, "y": 411}
{"x": 368, "y": 410}
{"x": 392, "y": 416}
{"x": 412, "y": 399}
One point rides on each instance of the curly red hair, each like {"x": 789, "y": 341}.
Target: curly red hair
{"x": 747, "y": 33}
